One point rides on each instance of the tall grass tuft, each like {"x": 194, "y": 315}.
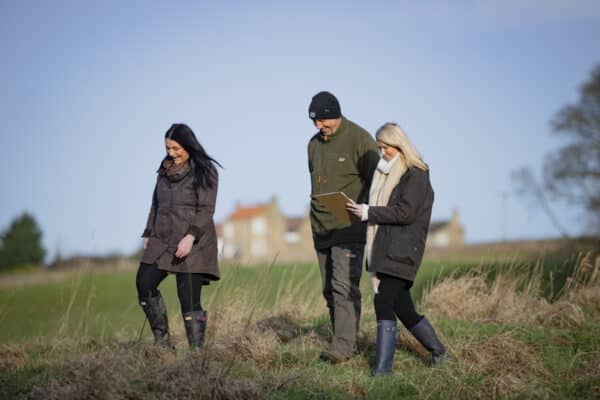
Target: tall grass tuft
{"x": 516, "y": 298}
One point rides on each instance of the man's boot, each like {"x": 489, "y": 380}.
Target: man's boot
{"x": 195, "y": 328}
{"x": 425, "y": 334}
{"x": 156, "y": 312}
{"x": 386, "y": 347}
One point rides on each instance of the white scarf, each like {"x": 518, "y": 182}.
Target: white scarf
{"x": 385, "y": 178}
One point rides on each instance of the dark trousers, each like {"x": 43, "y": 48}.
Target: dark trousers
{"x": 393, "y": 300}
{"x": 341, "y": 268}
{"x": 189, "y": 286}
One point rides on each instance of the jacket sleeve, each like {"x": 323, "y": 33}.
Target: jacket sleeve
{"x": 151, "y": 215}
{"x": 205, "y": 207}
{"x": 405, "y": 210}
{"x": 367, "y": 160}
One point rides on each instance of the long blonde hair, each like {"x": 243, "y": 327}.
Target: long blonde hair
{"x": 391, "y": 134}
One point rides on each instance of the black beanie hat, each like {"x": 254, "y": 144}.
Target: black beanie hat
{"x": 324, "y": 105}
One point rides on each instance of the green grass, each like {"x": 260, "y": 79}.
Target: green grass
{"x": 104, "y": 303}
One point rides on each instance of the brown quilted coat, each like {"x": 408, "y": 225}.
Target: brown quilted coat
{"x": 178, "y": 209}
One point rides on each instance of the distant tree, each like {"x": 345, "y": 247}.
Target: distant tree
{"x": 21, "y": 243}
{"x": 572, "y": 173}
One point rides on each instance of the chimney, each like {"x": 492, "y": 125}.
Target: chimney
{"x": 455, "y": 216}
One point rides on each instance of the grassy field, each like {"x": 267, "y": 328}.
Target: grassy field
{"x": 515, "y": 328}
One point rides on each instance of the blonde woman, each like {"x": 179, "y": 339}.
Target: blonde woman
{"x": 398, "y": 215}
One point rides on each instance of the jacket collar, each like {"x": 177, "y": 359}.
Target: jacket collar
{"x": 174, "y": 173}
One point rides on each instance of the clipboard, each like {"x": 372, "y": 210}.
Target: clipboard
{"x": 335, "y": 203}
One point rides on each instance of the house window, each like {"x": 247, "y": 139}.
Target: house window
{"x": 228, "y": 250}
{"x": 258, "y": 248}
{"x": 220, "y": 247}
{"x": 292, "y": 237}
{"x": 259, "y": 226}
{"x": 228, "y": 230}
{"x": 441, "y": 240}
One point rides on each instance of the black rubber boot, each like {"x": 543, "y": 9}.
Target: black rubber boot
{"x": 425, "y": 334}
{"x": 386, "y": 347}
{"x": 195, "y": 328}
{"x": 156, "y": 312}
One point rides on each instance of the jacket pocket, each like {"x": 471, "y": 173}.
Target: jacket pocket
{"x": 162, "y": 223}
{"x": 153, "y": 250}
{"x": 340, "y": 164}
{"x": 403, "y": 250}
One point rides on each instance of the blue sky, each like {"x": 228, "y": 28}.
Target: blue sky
{"x": 89, "y": 88}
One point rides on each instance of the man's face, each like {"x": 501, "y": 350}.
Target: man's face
{"x": 328, "y": 126}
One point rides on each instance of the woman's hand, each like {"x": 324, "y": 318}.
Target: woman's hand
{"x": 145, "y": 243}
{"x": 185, "y": 246}
{"x": 360, "y": 210}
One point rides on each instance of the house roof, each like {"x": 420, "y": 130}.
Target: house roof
{"x": 434, "y": 226}
{"x": 248, "y": 212}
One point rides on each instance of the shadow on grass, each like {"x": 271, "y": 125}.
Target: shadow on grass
{"x": 287, "y": 328}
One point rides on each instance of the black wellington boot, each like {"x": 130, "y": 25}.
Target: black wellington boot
{"x": 156, "y": 312}
{"x": 425, "y": 334}
{"x": 386, "y": 347}
{"x": 195, "y": 328}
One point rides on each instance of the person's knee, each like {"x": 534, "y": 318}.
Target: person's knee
{"x": 340, "y": 286}
{"x": 409, "y": 318}
{"x": 147, "y": 280}
{"x": 146, "y": 292}
{"x": 383, "y": 308}
{"x": 141, "y": 286}
{"x": 328, "y": 296}
{"x": 145, "y": 288}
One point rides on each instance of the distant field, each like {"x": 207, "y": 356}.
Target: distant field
{"x": 515, "y": 327}
{"x": 103, "y": 302}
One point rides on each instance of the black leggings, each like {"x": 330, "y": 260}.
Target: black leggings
{"x": 394, "y": 300}
{"x": 189, "y": 286}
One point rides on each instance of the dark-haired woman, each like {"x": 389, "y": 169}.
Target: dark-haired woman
{"x": 180, "y": 236}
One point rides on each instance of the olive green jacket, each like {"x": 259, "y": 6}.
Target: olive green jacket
{"x": 341, "y": 162}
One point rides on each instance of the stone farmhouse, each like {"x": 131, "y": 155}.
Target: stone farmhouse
{"x": 261, "y": 234}
{"x": 446, "y": 234}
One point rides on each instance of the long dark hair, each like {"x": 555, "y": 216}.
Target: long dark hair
{"x": 205, "y": 172}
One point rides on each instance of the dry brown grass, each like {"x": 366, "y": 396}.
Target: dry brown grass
{"x": 239, "y": 333}
{"x": 517, "y": 299}
{"x": 510, "y": 366}
{"x": 12, "y": 357}
{"x": 236, "y": 334}
{"x": 126, "y": 372}
{"x": 583, "y": 287}
{"x": 591, "y": 371}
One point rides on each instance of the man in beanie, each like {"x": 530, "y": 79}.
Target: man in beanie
{"x": 342, "y": 157}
